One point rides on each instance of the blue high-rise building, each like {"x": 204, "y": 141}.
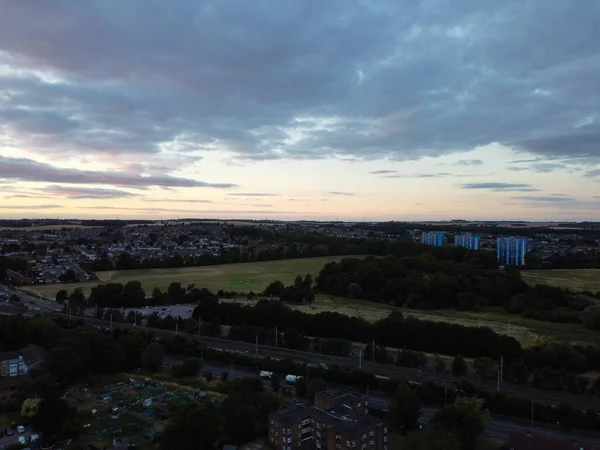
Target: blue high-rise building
{"x": 511, "y": 251}
{"x": 435, "y": 238}
{"x": 468, "y": 240}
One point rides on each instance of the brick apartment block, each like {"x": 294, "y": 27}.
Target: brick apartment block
{"x": 334, "y": 422}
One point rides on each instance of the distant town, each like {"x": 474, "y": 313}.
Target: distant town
{"x": 71, "y": 251}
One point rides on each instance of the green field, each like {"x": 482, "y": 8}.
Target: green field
{"x": 244, "y": 277}
{"x": 575, "y": 279}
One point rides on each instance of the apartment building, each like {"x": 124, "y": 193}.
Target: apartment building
{"x": 511, "y": 251}
{"x": 14, "y": 368}
{"x": 334, "y": 422}
{"x": 435, "y": 238}
{"x": 467, "y": 240}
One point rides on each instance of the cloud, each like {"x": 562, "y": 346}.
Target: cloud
{"x": 195, "y": 211}
{"x": 78, "y": 193}
{"x": 31, "y": 207}
{"x": 541, "y": 167}
{"x": 382, "y": 172}
{"x": 176, "y": 200}
{"x": 592, "y": 173}
{"x": 252, "y": 194}
{"x": 500, "y": 187}
{"x": 343, "y": 194}
{"x": 545, "y": 198}
{"x": 268, "y": 88}
{"x": 23, "y": 169}
{"x": 424, "y": 175}
{"x": 469, "y": 162}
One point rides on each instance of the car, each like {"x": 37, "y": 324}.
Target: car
{"x": 22, "y": 440}
{"x": 9, "y": 431}
{"x": 20, "y": 429}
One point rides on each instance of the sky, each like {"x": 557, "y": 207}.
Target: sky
{"x": 300, "y": 109}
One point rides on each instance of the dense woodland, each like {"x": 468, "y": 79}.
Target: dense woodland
{"x": 425, "y": 282}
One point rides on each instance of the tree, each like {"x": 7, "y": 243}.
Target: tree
{"x": 465, "y": 419}
{"x": 30, "y": 407}
{"x": 354, "y": 290}
{"x": 275, "y": 382}
{"x": 189, "y": 368}
{"x": 404, "y": 409}
{"x": 315, "y": 385}
{"x": 195, "y": 427}
{"x": 439, "y": 364}
{"x": 301, "y": 387}
{"x": 77, "y": 300}
{"x": 62, "y": 296}
{"x": 486, "y": 368}
{"x": 431, "y": 439}
{"x": 153, "y": 356}
{"x": 459, "y": 366}
{"x": 274, "y": 289}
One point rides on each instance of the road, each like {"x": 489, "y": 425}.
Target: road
{"x": 498, "y": 427}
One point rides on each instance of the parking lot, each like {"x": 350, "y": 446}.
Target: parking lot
{"x": 14, "y": 439}
{"x": 184, "y": 311}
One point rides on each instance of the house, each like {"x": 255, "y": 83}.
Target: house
{"x": 527, "y": 441}
{"x": 334, "y": 422}
{"x": 15, "y": 366}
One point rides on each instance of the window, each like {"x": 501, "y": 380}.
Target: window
{"x": 364, "y": 436}
{"x": 372, "y": 433}
{"x": 385, "y": 439}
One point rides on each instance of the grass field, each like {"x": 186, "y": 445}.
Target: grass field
{"x": 244, "y": 277}
{"x": 575, "y": 279}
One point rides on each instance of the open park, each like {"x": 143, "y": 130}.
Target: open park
{"x": 574, "y": 279}
{"x": 242, "y": 277}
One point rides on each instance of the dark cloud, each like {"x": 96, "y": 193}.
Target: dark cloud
{"x": 592, "y": 173}
{"x": 78, "y": 193}
{"x": 343, "y": 194}
{"x": 500, "y": 187}
{"x": 252, "y": 194}
{"x": 541, "y": 167}
{"x": 469, "y": 162}
{"x": 299, "y": 79}
{"x": 31, "y": 207}
{"x": 382, "y": 172}
{"x": 544, "y": 198}
{"x": 23, "y": 169}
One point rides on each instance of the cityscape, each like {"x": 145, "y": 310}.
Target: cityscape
{"x": 233, "y": 225}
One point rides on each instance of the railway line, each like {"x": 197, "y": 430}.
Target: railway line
{"x": 544, "y": 396}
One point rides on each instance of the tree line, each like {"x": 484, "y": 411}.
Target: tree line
{"x": 396, "y": 330}
{"x": 425, "y": 282}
